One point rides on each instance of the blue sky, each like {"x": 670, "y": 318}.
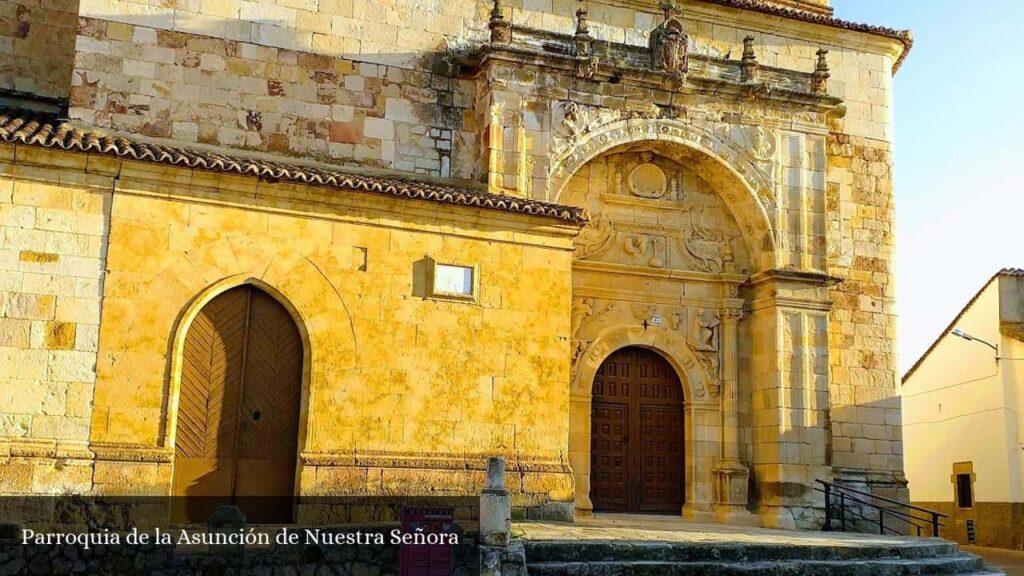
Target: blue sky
{"x": 959, "y": 143}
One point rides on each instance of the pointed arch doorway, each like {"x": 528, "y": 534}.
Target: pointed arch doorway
{"x": 637, "y": 435}
{"x": 237, "y": 428}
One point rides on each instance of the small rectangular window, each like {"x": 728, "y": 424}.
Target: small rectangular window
{"x": 964, "y": 491}
{"x": 453, "y": 281}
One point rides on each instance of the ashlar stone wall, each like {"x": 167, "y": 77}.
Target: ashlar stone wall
{"x": 54, "y": 226}
{"x": 37, "y": 46}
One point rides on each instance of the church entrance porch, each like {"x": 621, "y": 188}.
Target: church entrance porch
{"x": 637, "y": 441}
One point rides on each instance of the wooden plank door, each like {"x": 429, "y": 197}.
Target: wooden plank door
{"x": 269, "y": 413}
{"x": 238, "y": 410}
{"x": 637, "y": 435}
{"x": 211, "y": 381}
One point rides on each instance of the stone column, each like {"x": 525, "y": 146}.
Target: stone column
{"x": 731, "y": 476}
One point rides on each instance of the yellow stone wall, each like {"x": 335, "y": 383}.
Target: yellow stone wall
{"x": 401, "y": 390}
{"x": 54, "y": 227}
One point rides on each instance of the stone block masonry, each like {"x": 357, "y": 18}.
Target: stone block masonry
{"x": 37, "y": 44}
{"x": 225, "y": 92}
{"x": 53, "y": 232}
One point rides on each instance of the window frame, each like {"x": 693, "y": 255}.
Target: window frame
{"x": 474, "y": 294}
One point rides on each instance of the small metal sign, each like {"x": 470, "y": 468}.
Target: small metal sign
{"x": 657, "y": 320}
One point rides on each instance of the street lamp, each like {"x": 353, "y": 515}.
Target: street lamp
{"x": 961, "y": 334}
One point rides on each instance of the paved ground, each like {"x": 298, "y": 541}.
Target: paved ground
{"x": 1011, "y": 561}
{"x": 673, "y": 529}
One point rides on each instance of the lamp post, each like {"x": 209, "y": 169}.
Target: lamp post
{"x": 961, "y": 334}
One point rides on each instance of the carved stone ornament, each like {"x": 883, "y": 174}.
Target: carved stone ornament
{"x": 582, "y": 310}
{"x": 748, "y": 66}
{"x": 708, "y": 248}
{"x": 705, "y": 331}
{"x": 669, "y": 44}
{"x": 575, "y": 121}
{"x": 587, "y": 68}
{"x": 647, "y": 180}
{"x": 759, "y": 141}
{"x": 501, "y": 29}
{"x": 819, "y": 80}
{"x": 596, "y": 239}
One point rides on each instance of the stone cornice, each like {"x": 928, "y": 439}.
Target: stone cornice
{"x": 624, "y": 64}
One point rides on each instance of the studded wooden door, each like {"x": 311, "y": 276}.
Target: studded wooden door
{"x": 238, "y": 409}
{"x": 637, "y": 436}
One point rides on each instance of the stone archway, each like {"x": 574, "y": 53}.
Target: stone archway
{"x": 739, "y": 175}
{"x": 700, "y": 410}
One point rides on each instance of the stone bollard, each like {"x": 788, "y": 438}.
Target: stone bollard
{"x": 495, "y": 506}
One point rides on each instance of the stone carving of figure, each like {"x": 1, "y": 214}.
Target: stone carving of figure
{"x": 704, "y": 244}
{"x": 705, "y": 331}
{"x": 578, "y": 348}
{"x": 595, "y": 239}
{"x": 582, "y": 308}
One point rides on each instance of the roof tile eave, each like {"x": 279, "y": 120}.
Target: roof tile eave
{"x": 906, "y": 37}
{"x": 24, "y": 127}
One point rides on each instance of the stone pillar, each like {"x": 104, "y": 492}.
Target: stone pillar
{"x": 703, "y": 426}
{"x": 731, "y": 476}
{"x": 789, "y": 393}
{"x": 495, "y": 506}
{"x": 499, "y": 555}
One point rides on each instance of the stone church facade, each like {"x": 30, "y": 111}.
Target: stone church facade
{"x": 350, "y": 247}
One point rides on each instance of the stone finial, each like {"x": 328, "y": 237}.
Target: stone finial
{"x": 501, "y": 29}
{"x": 669, "y": 8}
{"x": 583, "y": 42}
{"x": 819, "y": 80}
{"x": 748, "y": 65}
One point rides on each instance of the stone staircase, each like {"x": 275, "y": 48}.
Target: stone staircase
{"x": 653, "y": 558}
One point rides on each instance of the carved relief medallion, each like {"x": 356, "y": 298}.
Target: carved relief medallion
{"x": 648, "y": 181}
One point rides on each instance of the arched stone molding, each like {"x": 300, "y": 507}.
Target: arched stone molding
{"x": 730, "y": 170}
{"x": 698, "y": 404}
{"x": 669, "y": 343}
{"x": 292, "y": 278}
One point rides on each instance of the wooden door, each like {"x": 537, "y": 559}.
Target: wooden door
{"x": 637, "y": 436}
{"x": 238, "y": 409}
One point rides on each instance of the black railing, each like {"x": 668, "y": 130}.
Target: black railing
{"x": 845, "y": 509}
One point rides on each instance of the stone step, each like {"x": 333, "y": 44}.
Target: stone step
{"x": 586, "y": 551}
{"x": 965, "y": 565}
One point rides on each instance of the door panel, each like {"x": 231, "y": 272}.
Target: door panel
{"x": 211, "y": 380}
{"x": 638, "y": 435}
{"x": 238, "y": 409}
{"x": 269, "y": 416}
{"x": 608, "y": 473}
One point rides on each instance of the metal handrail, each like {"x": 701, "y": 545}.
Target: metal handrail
{"x": 898, "y": 511}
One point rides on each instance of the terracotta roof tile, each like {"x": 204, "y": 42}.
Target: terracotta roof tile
{"x": 20, "y": 126}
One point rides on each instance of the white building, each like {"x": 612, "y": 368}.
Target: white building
{"x": 963, "y": 418}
